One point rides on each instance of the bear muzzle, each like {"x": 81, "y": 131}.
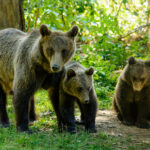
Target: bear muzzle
{"x": 86, "y": 101}
{"x": 55, "y": 67}
{"x": 138, "y": 86}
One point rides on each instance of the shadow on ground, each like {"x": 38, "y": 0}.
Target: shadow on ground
{"x": 107, "y": 122}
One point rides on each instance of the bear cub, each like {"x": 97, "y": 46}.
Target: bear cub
{"x": 76, "y": 85}
{"x": 132, "y": 94}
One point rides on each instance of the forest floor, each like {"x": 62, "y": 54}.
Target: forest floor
{"x": 108, "y": 123}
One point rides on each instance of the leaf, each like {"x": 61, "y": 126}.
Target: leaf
{"x": 125, "y": 1}
{"x": 135, "y": 13}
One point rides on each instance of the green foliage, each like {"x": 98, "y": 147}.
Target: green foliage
{"x": 104, "y": 78}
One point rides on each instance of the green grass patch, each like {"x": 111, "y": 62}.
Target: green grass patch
{"x": 50, "y": 139}
{"x": 46, "y": 137}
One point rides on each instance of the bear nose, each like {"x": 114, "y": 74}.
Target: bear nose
{"x": 55, "y": 67}
{"x": 86, "y": 101}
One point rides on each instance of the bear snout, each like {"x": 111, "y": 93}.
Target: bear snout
{"x": 86, "y": 101}
{"x": 55, "y": 67}
{"x": 138, "y": 86}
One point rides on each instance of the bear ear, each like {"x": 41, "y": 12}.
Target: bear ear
{"x": 73, "y": 32}
{"x": 90, "y": 71}
{"x": 44, "y": 30}
{"x": 147, "y": 62}
{"x": 131, "y": 60}
{"x": 70, "y": 73}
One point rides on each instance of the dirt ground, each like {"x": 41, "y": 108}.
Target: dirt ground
{"x": 107, "y": 122}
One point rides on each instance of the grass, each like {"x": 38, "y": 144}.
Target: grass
{"x": 46, "y": 137}
{"x": 50, "y": 139}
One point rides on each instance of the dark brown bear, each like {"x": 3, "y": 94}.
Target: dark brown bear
{"x": 26, "y": 60}
{"x": 132, "y": 94}
{"x": 76, "y": 85}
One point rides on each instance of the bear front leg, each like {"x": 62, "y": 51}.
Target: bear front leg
{"x": 124, "y": 103}
{"x": 143, "y": 109}
{"x": 32, "y": 114}
{"x": 54, "y": 97}
{"x": 21, "y": 106}
{"x": 81, "y": 121}
{"x": 4, "y": 120}
{"x": 25, "y": 83}
{"x": 67, "y": 112}
{"x": 23, "y": 91}
{"x": 127, "y": 113}
{"x": 90, "y": 113}
{"x": 115, "y": 107}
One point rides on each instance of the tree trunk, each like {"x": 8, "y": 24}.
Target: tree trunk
{"x": 12, "y": 14}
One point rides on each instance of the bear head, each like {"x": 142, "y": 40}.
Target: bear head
{"x": 137, "y": 73}
{"x": 79, "y": 83}
{"x": 57, "y": 47}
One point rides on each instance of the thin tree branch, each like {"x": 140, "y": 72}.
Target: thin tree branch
{"x": 36, "y": 17}
{"x": 119, "y": 9}
{"x": 28, "y": 24}
{"x": 135, "y": 30}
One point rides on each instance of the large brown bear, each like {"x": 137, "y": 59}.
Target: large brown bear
{"x": 132, "y": 94}
{"x": 25, "y": 62}
{"x": 75, "y": 85}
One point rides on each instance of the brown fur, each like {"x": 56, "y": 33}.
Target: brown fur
{"x": 76, "y": 85}
{"x": 132, "y": 94}
{"x": 26, "y": 60}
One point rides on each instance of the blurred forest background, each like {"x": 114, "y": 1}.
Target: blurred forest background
{"x": 110, "y": 32}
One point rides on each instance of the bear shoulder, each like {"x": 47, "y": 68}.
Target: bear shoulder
{"x": 33, "y": 34}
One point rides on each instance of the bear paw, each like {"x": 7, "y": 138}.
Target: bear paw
{"x": 145, "y": 125}
{"x": 24, "y": 128}
{"x": 32, "y": 119}
{"x": 71, "y": 130}
{"x": 4, "y": 124}
{"x": 91, "y": 130}
{"x": 128, "y": 122}
{"x": 119, "y": 117}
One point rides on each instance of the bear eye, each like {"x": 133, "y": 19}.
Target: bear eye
{"x": 79, "y": 89}
{"x": 50, "y": 51}
{"x": 142, "y": 79}
{"x": 134, "y": 78}
{"x": 64, "y": 52}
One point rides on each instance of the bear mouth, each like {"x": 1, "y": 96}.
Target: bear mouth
{"x": 137, "y": 88}
{"x": 86, "y": 101}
